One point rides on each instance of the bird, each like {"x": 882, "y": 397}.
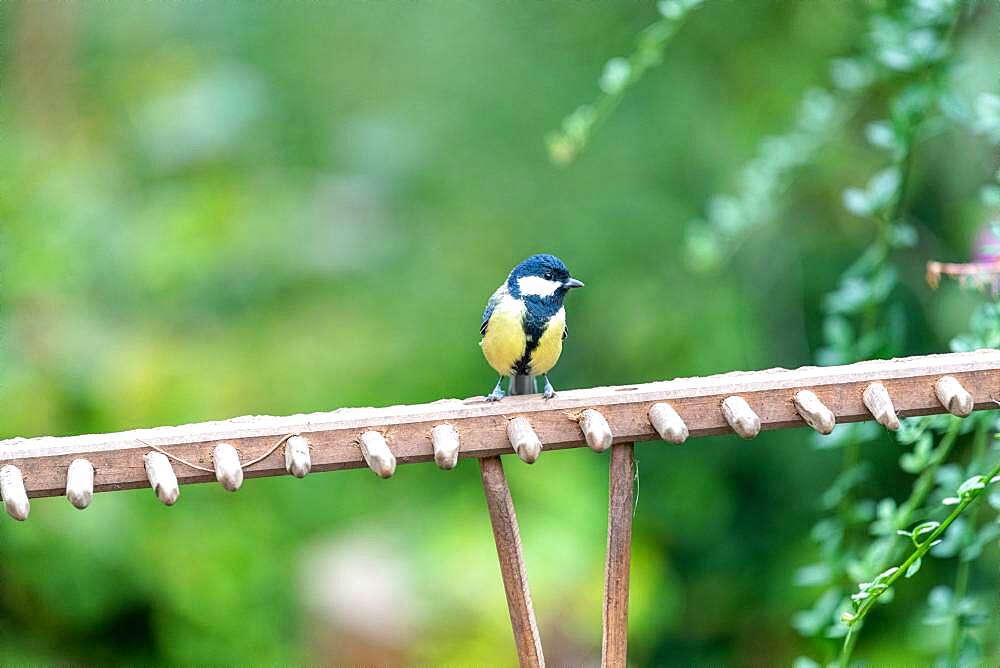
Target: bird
{"x": 524, "y": 322}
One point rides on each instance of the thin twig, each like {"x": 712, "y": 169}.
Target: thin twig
{"x": 209, "y": 470}
{"x": 854, "y": 619}
{"x": 175, "y": 457}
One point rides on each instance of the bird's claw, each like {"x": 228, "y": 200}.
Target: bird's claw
{"x": 497, "y": 393}
{"x": 548, "y": 392}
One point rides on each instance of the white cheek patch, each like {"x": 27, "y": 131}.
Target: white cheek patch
{"x": 537, "y": 286}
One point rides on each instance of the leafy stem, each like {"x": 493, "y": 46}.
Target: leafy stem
{"x": 872, "y": 591}
{"x": 904, "y": 165}
{"x": 566, "y": 144}
{"x": 925, "y": 483}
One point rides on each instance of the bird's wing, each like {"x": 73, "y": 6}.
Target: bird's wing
{"x": 490, "y": 305}
{"x": 565, "y": 331}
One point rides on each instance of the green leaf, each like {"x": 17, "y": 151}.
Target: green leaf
{"x": 670, "y": 9}
{"x": 856, "y": 201}
{"x": 896, "y": 59}
{"x": 813, "y": 575}
{"x": 702, "y": 249}
{"x": 990, "y": 195}
{"x": 955, "y": 108}
{"x": 953, "y": 540}
{"x": 902, "y": 235}
{"x": 883, "y": 282}
{"x": 851, "y": 74}
{"x": 883, "y": 186}
{"x": 912, "y": 463}
{"x": 725, "y": 214}
{"x": 881, "y": 135}
{"x": 987, "y": 107}
{"x": 972, "y": 484}
{"x": 986, "y": 535}
{"x": 939, "y": 606}
{"x": 921, "y": 530}
{"x": 577, "y": 125}
{"x": 845, "y": 482}
{"x": 616, "y": 76}
{"x": 850, "y": 297}
{"x": 811, "y": 623}
{"x": 838, "y": 332}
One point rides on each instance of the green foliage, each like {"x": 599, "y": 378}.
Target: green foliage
{"x": 732, "y": 218}
{"x": 908, "y": 49}
{"x": 619, "y": 73}
{"x": 233, "y": 208}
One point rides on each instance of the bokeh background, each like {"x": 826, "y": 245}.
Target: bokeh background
{"x": 212, "y": 209}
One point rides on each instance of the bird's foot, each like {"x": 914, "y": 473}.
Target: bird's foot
{"x": 496, "y": 394}
{"x": 548, "y": 392}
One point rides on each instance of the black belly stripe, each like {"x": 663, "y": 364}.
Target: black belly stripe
{"x": 534, "y": 326}
{"x": 521, "y": 367}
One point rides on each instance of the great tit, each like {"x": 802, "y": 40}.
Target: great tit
{"x": 524, "y": 323}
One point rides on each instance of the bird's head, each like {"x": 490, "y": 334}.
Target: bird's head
{"x": 541, "y": 276}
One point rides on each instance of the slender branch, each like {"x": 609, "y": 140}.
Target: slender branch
{"x": 855, "y": 619}
{"x": 619, "y": 74}
{"x": 921, "y": 488}
{"x": 925, "y": 483}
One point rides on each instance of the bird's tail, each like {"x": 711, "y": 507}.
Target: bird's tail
{"x": 523, "y": 384}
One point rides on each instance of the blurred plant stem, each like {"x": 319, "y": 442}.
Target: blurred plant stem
{"x": 925, "y": 483}
{"x": 965, "y": 565}
{"x": 957, "y": 627}
{"x": 566, "y": 144}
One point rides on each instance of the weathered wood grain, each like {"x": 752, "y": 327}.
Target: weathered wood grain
{"x": 618, "y": 561}
{"x": 507, "y": 537}
{"x": 482, "y": 426}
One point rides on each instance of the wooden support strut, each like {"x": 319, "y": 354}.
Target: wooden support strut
{"x": 333, "y": 437}
{"x": 617, "y": 564}
{"x": 507, "y": 537}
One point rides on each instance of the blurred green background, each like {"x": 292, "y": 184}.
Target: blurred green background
{"x": 212, "y": 209}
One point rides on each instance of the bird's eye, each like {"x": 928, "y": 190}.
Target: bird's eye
{"x": 548, "y": 276}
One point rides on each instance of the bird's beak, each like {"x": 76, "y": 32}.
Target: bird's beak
{"x": 572, "y": 283}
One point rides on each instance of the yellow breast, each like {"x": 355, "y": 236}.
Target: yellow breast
{"x": 545, "y": 356}
{"x": 504, "y": 343}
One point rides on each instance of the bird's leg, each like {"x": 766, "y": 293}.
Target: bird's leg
{"x": 497, "y": 393}
{"x": 548, "y": 392}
